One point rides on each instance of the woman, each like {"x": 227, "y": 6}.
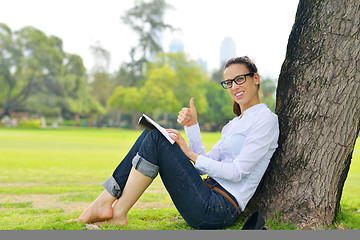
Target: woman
{"x": 235, "y": 165}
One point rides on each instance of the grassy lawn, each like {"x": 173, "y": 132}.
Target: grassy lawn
{"x": 50, "y": 175}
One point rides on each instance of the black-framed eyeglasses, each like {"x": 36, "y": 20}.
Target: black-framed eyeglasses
{"x": 240, "y": 79}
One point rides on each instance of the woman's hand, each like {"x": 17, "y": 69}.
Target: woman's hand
{"x": 176, "y": 136}
{"x": 188, "y": 116}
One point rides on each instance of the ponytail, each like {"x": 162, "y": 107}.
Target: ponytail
{"x": 236, "y": 109}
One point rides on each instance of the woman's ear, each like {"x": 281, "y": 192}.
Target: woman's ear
{"x": 257, "y": 78}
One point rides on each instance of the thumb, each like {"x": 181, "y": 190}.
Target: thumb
{"x": 192, "y": 105}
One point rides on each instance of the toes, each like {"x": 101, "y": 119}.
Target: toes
{"x": 99, "y": 223}
{"x": 71, "y": 220}
{"x": 92, "y": 227}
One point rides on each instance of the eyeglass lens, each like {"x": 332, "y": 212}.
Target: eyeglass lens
{"x": 239, "y": 80}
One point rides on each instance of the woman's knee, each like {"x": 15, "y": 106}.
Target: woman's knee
{"x": 145, "y": 166}
{"x": 155, "y": 134}
{"x": 156, "y": 140}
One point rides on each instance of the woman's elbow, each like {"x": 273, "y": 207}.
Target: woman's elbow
{"x": 236, "y": 177}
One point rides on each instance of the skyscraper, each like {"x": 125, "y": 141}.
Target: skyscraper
{"x": 202, "y": 63}
{"x": 227, "y": 50}
{"x": 176, "y": 45}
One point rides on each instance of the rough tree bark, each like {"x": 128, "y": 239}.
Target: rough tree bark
{"x": 318, "y": 104}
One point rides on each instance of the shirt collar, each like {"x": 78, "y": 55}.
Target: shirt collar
{"x": 253, "y": 109}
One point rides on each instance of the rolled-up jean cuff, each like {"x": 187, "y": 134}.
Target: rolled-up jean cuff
{"x": 112, "y": 187}
{"x": 145, "y": 167}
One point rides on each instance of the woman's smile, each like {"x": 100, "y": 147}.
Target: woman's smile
{"x": 239, "y": 95}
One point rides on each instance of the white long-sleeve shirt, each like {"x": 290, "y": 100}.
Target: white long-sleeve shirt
{"x": 239, "y": 159}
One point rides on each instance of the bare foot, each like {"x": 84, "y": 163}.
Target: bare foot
{"x": 99, "y": 210}
{"x": 94, "y": 213}
{"x": 120, "y": 221}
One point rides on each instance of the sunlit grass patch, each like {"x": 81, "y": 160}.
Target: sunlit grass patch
{"x": 16, "y": 205}
{"x": 155, "y": 197}
{"x": 30, "y": 219}
{"x": 80, "y": 197}
{"x": 48, "y": 189}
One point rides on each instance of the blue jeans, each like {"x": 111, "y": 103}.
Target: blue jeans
{"x": 200, "y": 206}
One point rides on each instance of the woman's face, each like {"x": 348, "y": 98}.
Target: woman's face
{"x": 246, "y": 94}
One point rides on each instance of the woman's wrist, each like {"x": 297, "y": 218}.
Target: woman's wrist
{"x": 193, "y": 156}
{"x": 191, "y": 124}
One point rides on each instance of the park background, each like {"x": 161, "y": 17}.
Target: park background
{"x": 64, "y": 126}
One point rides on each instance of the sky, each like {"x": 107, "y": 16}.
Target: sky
{"x": 259, "y": 28}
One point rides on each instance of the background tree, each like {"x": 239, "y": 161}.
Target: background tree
{"x": 168, "y": 84}
{"x": 102, "y": 58}
{"x": 101, "y": 87}
{"x": 78, "y": 90}
{"x": 22, "y": 68}
{"x": 187, "y": 81}
{"x": 318, "y": 106}
{"x": 146, "y": 20}
{"x": 219, "y": 110}
{"x": 99, "y": 80}
{"x": 37, "y": 75}
{"x": 267, "y": 90}
{"x": 122, "y": 76}
{"x": 158, "y": 93}
{"x": 116, "y": 102}
{"x": 128, "y": 100}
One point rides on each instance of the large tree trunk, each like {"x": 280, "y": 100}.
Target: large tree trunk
{"x": 4, "y": 113}
{"x": 318, "y": 104}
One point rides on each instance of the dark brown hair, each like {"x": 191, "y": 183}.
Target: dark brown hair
{"x": 250, "y": 65}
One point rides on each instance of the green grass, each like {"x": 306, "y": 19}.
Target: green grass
{"x": 16, "y": 205}
{"x": 349, "y": 213}
{"x": 50, "y": 175}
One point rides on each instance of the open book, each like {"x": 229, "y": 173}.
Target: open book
{"x": 148, "y": 123}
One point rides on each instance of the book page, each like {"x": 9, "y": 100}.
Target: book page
{"x": 160, "y": 128}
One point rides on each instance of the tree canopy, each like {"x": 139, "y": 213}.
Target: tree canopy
{"x": 146, "y": 20}
{"x": 37, "y": 75}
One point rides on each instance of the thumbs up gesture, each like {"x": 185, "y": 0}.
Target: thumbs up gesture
{"x": 188, "y": 116}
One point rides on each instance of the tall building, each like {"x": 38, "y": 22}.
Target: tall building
{"x": 176, "y": 45}
{"x": 227, "y": 50}
{"x": 202, "y": 63}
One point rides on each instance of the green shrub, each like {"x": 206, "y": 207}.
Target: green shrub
{"x": 30, "y": 123}
{"x": 68, "y": 123}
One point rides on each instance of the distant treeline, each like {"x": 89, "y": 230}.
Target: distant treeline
{"x": 38, "y": 78}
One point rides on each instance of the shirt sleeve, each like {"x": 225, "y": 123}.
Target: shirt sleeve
{"x": 263, "y": 135}
{"x": 196, "y": 145}
{"x": 194, "y": 138}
